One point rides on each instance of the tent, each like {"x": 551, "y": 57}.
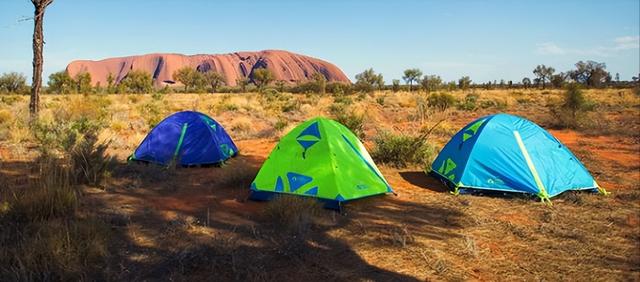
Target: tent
{"x": 319, "y": 158}
{"x": 188, "y": 138}
{"x": 508, "y": 153}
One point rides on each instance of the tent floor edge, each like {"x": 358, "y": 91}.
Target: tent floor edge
{"x": 266, "y": 196}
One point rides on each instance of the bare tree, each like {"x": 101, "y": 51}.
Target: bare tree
{"x": 544, "y": 73}
{"x": 38, "y": 42}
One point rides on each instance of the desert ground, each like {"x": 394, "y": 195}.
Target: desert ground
{"x": 151, "y": 223}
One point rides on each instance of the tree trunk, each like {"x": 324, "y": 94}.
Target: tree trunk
{"x": 38, "y": 42}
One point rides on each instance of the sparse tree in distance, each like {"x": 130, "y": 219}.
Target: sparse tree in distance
{"x": 280, "y": 84}
{"x": 431, "y": 83}
{"x": 187, "y": 76}
{"x": 61, "y": 83}
{"x": 83, "y": 83}
{"x": 368, "y": 81}
{"x": 242, "y": 83}
{"x": 111, "y": 84}
{"x": 543, "y": 73}
{"x": 451, "y": 86}
{"x": 411, "y": 76}
{"x": 464, "y": 82}
{"x": 137, "y": 81}
{"x": 557, "y": 80}
{"x": 38, "y": 42}
{"x": 589, "y": 73}
{"x": 213, "y": 79}
{"x": 395, "y": 85}
{"x": 12, "y": 82}
{"x": 526, "y": 82}
{"x": 262, "y": 77}
{"x": 320, "y": 81}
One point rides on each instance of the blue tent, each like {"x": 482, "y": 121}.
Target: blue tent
{"x": 508, "y": 153}
{"x": 189, "y": 138}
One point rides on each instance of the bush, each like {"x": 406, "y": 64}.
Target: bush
{"x": 137, "y": 82}
{"x": 13, "y": 82}
{"x": 572, "y": 110}
{"x": 353, "y": 121}
{"x": 339, "y": 88}
{"x": 281, "y": 124}
{"x": 469, "y": 103}
{"x": 152, "y": 113}
{"x": 401, "y": 150}
{"x": 91, "y": 164}
{"x": 441, "y": 100}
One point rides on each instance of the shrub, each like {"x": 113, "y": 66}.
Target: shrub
{"x": 572, "y": 109}
{"x": 13, "y": 82}
{"x": 137, "y": 82}
{"x": 281, "y": 124}
{"x": 401, "y": 150}
{"x": 343, "y": 99}
{"x": 90, "y": 161}
{"x": 441, "y": 100}
{"x": 469, "y": 103}
{"x": 339, "y": 88}
{"x": 151, "y": 111}
{"x": 353, "y": 121}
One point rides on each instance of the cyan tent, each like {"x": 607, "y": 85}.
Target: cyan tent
{"x": 508, "y": 153}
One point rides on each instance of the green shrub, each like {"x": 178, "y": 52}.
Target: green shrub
{"x": 400, "y": 150}
{"x": 339, "y": 88}
{"x": 152, "y": 113}
{"x": 353, "y": 121}
{"x": 470, "y": 102}
{"x": 343, "y": 99}
{"x": 572, "y": 110}
{"x": 281, "y": 124}
{"x": 441, "y": 100}
{"x": 91, "y": 164}
{"x": 291, "y": 105}
{"x": 380, "y": 100}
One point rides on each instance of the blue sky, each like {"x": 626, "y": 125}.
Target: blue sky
{"x": 486, "y": 40}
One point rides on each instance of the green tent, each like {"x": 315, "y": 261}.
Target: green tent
{"x": 320, "y": 158}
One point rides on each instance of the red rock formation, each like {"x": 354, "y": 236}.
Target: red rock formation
{"x": 284, "y": 65}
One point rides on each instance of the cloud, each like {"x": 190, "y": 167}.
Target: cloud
{"x": 550, "y": 48}
{"x": 627, "y": 42}
{"x": 619, "y": 44}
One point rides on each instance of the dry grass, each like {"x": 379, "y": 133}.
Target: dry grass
{"x": 423, "y": 234}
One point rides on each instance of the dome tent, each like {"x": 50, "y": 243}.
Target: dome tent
{"x": 189, "y": 138}
{"x": 507, "y": 153}
{"x": 319, "y": 158}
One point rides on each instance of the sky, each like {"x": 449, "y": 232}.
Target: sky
{"x": 486, "y": 40}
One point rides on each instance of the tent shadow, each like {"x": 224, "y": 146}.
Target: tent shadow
{"x": 423, "y": 180}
